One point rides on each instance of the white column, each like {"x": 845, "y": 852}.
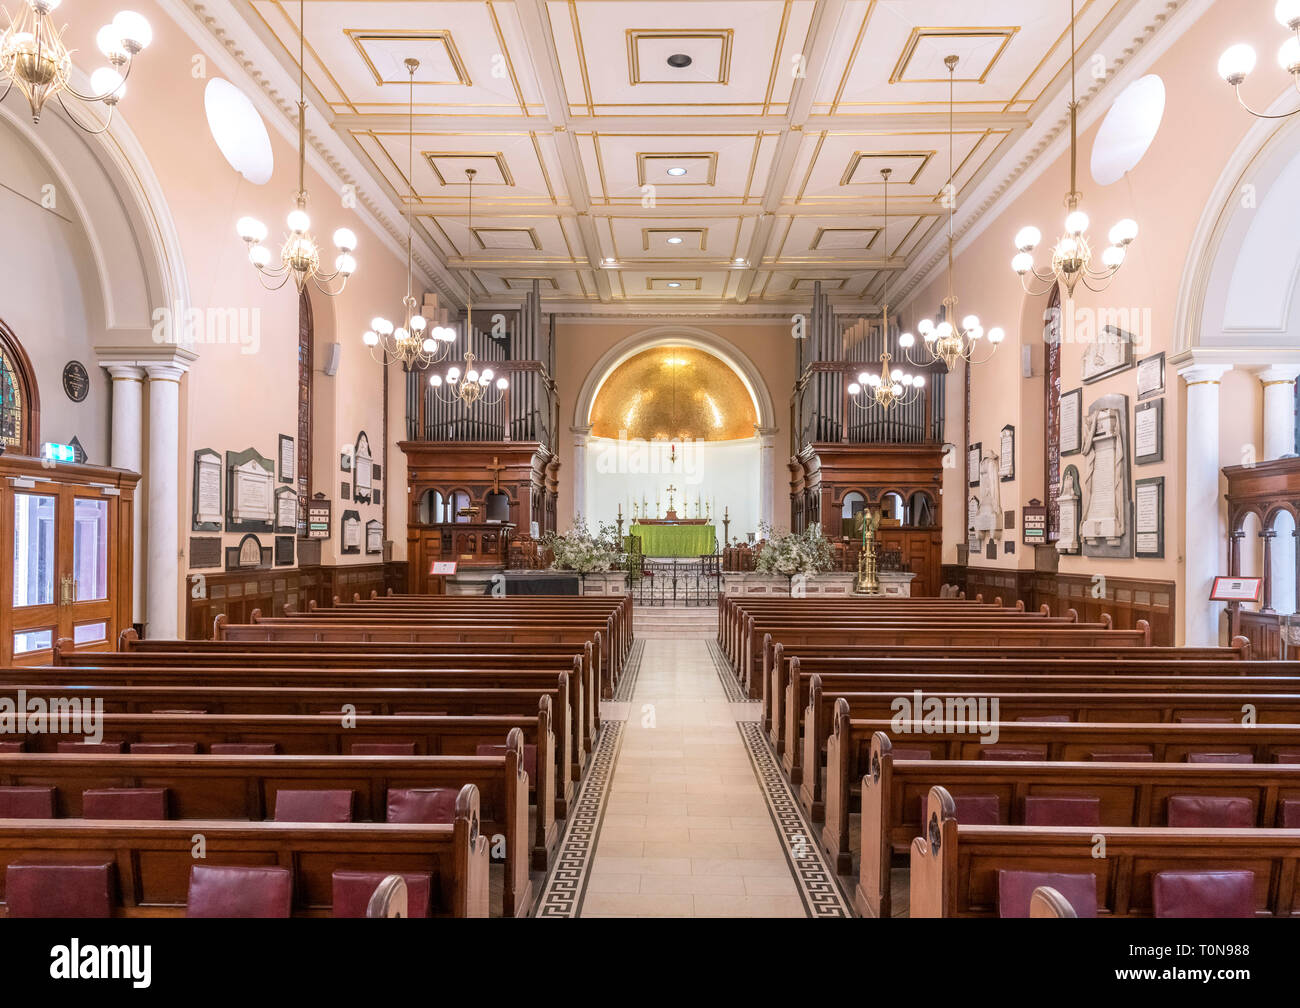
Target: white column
{"x": 1279, "y": 439}
{"x": 580, "y": 438}
{"x": 1205, "y": 549}
{"x": 164, "y": 483}
{"x": 766, "y": 473}
{"x": 127, "y": 452}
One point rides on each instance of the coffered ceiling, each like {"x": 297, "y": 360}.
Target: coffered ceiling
{"x": 656, "y": 156}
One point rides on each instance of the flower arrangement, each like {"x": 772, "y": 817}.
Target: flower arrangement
{"x": 582, "y": 551}
{"x": 790, "y": 553}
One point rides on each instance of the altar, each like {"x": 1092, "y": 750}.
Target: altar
{"x": 660, "y": 538}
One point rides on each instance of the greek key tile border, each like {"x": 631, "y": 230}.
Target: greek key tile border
{"x": 631, "y": 668}
{"x": 735, "y": 692}
{"x": 815, "y": 879}
{"x": 566, "y": 886}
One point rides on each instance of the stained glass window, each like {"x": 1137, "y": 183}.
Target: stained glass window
{"x": 13, "y": 405}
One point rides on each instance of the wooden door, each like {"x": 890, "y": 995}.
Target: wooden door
{"x": 88, "y": 519}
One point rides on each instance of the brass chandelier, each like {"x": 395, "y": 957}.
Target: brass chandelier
{"x": 407, "y": 344}
{"x": 891, "y": 387}
{"x": 1238, "y": 61}
{"x": 1072, "y": 257}
{"x": 300, "y": 255}
{"x": 474, "y": 386}
{"x": 950, "y": 341}
{"x": 34, "y": 58}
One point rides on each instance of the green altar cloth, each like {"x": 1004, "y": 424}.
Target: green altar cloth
{"x": 675, "y": 540}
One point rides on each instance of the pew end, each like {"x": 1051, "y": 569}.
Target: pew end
{"x": 1145, "y": 627}
{"x": 930, "y": 852}
{"x": 1047, "y": 902}
{"x": 389, "y": 898}
{"x": 872, "y": 896}
{"x": 219, "y": 627}
{"x": 127, "y": 638}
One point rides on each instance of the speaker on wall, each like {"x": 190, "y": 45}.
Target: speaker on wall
{"x": 1027, "y": 361}
{"x": 332, "y": 360}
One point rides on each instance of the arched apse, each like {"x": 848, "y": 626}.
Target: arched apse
{"x": 588, "y": 501}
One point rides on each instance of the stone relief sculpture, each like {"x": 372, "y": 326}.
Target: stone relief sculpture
{"x": 987, "y": 522}
{"x": 1105, "y": 525}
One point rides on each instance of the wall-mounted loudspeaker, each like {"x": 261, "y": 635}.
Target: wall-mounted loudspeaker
{"x": 1027, "y": 361}
{"x": 332, "y": 359}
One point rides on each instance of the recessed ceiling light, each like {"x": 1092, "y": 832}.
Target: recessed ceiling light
{"x": 676, "y": 171}
{"x": 673, "y": 283}
{"x": 674, "y": 240}
{"x": 679, "y": 61}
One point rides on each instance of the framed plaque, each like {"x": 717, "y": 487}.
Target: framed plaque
{"x": 1071, "y": 413}
{"x": 319, "y": 511}
{"x": 1007, "y": 455}
{"x": 76, "y": 382}
{"x": 350, "y": 529}
{"x": 205, "y": 551}
{"x": 207, "y": 513}
{"x": 1230, "y": 589}
{"x": 1149, "y": 432}
{"x": 374, "y": 536}
{"x": 286, "y": 510}
{"x": 1151, "y": 376}
{"x": 250, "y": 500}
{"x": 248, "y": 555}
{"x": 1149, "y": 518}
{"x": 973, "y": 463}
{"x": 284, "y": 551}
{"x": 362, "y": 470}
{"x": 442, "y": 568}
{"x": 1110, "y": 354}
{"x": 288, "y": 460}
{"x": 1033, "y": 531}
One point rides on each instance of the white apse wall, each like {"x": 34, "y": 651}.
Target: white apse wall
{"x": 723, "y": 474}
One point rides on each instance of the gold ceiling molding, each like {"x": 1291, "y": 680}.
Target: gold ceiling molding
{"x": 693, "y": 281}
{"x": 432, "y": 157}
{"x": 899, "y": 76}
{"x": 723, "y": 36}
{"x": 644, "y": 160}
{"x": 526, "y": 283}
{"x": 527, "y": 233}
{"x": 701, "y": 236}
{"x": 877, "y": 156}
{"x": 674, "y": 392}
{"x": 360, "y": 36}
{"x": 822, "y": 232}
{"x": 797, "y": 281}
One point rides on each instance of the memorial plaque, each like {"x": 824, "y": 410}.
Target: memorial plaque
{"x": 350, "y": 527}
{"x": 1149, "y": 518}
{"x": 205, "y": 551}
{"x": 288, "y": 460}
{"x": 284, "y": 551}
{"x": 76, "y": 382}
{"x": 286, "y": 510}
{"x": 206, "y": 511}
{"x": 1149, "y": 432}
{"x": 1071, "y": 420}
{"x": 374, "y": 536}
{"x": 1151, "y": 376}
{"x": 250, "y": 495}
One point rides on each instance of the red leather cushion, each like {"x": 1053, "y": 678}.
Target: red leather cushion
{"x": 1198, "y": 719}
{"x": 1017, "y": 753}
{"x": 59, "y": 890}
{"x": 313, "y": 806}
{"x": 1122, "y": 756}
{"x": 1290, "y": 813}
{"x": 164, "y": 748}
{"x": 1204, "y": 894}
{"x": 90, "y": 747}
{"x": 11, "y": 747}
{"x": 26, "y": 803}
{"x": 1046, "y": 719}
{"x": 530, "y": 756}
{"x": 353, "y": 889}
{"x": 972, "y": 810}
{"x": 222, "y": 891}
{"x": 1210, "y": 812}
{"x": 243, "y": 748}
{"x": 1016, "y": 887}
{"x": 1053, "y": 810}
{"x": 911, "y": 753}
{"x": 1220, "y": 757}
{"x": 421, "y": 805}
{"x": 383, "y": 748}
{"x": 124, "y": 803}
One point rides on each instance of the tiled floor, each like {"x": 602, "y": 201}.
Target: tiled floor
{"x": 686, "y": 830}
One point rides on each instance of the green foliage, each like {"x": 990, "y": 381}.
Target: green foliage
{"x": 581, "y": 550}
{"x": 790, "y": 553}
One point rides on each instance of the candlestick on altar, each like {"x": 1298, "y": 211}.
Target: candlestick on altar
{"x": 726, "y": 525}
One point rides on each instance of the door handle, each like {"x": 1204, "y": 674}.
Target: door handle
{"x": 67, "y": 583}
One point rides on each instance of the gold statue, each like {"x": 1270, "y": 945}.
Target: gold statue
{"x": 868, "y": 582}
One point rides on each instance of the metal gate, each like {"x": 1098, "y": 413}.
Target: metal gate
{"x": 677, "y": 582}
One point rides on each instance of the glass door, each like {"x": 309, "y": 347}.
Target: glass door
{"x": 35, "y": 618}
{"x": 87, "y": 578}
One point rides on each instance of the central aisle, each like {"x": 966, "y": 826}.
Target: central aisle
{"x": 686, "y": 829}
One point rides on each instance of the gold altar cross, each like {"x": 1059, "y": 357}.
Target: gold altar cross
{"x": 671, "y": 490}
{"x": 496, "y": 469}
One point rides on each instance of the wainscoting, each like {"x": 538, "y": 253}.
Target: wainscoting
{"x": 1126, "y": 599}
{"x": 237, "y": 594}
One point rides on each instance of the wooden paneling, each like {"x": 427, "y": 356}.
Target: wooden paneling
{"x": 1127, "y": 600}
{"x": 238, "y": 593}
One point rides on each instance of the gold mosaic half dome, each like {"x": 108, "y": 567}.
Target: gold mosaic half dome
{"x": 673, "y": 392}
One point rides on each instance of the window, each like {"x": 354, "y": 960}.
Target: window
{"x": 19, "y": 403}
{"x": 33, "y": 640}
{"x": 90, "y": 548}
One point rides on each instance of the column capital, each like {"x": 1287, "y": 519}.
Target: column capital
{"x": 766, "y": 434}
{"x": 581, "y": 432}
{"x": 1277, "y": 374}
{"x": 164, "y": 372}
{"x": 123, "y": 372}
{"x": 1203, "y": 374}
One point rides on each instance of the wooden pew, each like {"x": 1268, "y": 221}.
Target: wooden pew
{"x": 309, "y": 700}
{"x": 261, "y": 665}
{"x": 955, "y": 868}
{"x": 1131, "y": 794}
{"x": 849, "y": 747}
{"x": 786, "y": 666}
{"x": 152, "y": 860}
{"x": 244, "y": 788}
{"x": 1149, "y": 707}
{"x": 325, "y": 735}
